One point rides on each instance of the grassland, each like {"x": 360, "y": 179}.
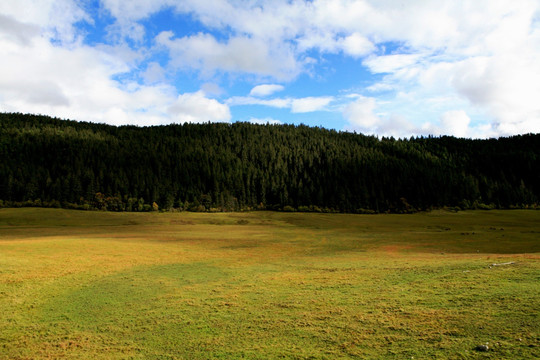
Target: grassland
{"x": 265, "y": 285}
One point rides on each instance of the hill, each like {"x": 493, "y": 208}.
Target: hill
{"x": 222, "y": 167}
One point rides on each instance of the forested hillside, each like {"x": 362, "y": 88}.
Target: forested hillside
{"x": 223, "y": 167}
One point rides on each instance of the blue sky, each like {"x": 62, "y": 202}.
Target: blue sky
{"x": 467, "y": 68}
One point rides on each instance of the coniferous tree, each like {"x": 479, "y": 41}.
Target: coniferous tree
{"x": 55, "y": 162}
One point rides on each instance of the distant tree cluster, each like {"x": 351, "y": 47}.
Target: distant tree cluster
{"x": 240, "y": 166}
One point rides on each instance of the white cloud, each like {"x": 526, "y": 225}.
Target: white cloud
{"x": 212, "y": 88}
{"x": 133, "y": 10}
{"x": 455, "y": 123}
{"x": 390, "y": 63}
{"x": 360, "y": 114}
{"x": 14, "y": 29}
{"x": 481, "y": 55}
{"x": 196, "y": 107}
{"x": 265, "y": 89}
{"x": 267, "y": 20}
{"x": 258, "y": 33}
{"x": 75, "y": 81}
{"x": 380, "y": 87}
{"x": 249, "y": 100}
{"x": 484, "y": 51}
{"x": 54, "y": 18}
{"x": 310, "y": 104}
{"x": 485, "y": 55}
{"x": 357, "y": 45}
{"x": 363, "y": 116}
{"x": 369, "y": 116}
{"x": 127, "y": 13}
{"x": 508, "y": 87}
{"x": 297, "y": 105}
{"x": 154, "y": 73}
{"x": 238, "y": 55}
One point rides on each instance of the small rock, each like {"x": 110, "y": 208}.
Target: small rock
{"x": 483, "y": 347}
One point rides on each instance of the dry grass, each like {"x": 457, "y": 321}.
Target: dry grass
{"x": 268, "y": 285}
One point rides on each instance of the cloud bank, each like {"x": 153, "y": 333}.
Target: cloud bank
{"x": 466, "y": 68}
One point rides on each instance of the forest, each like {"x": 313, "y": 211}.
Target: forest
{"x": 51, "y": 162}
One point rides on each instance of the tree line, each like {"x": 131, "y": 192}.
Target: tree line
{"x": 240, "y": 166}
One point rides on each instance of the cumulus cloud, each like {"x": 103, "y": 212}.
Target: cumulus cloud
{"x": 485, "y": 52}
{"x": 366, "y": 115}
{"x": 455, "y": 123}
{"x": 491, "y": 64}
{"x": 360, "y": 114}
{"x": 394, "y": 125}
{"x": 479, "y": 55}
{"x": 239, "y": 54}
{"x": 196, "y": 107}
{"x": 78, "y": 82}
{"x": 212, "y": 88}
{"x": 390, "y": 63}
{"x": 356, "y": 45}
{"x": 265, "y": 89}
{"x": 310, "y": 104}
{"x": 259, "y": 33}
{"x": 154, "y": 73}
{"x": 296, "y": 105}
{"x": 133, "y": 10}
{"x": 127, "y": 15}
{"x": 74, "y": 83}
{"x": 507, "y": 87}
{"x": 20, "y": 32}
{"x": 250, "y": 100}
{"x": 55, "y": 19}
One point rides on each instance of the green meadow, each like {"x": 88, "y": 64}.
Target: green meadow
{"x": 269, "y": 285}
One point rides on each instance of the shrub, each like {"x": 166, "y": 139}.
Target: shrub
{"x": 365, "y": 211}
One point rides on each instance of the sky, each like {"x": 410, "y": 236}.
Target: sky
{"x": 467, "y": 68}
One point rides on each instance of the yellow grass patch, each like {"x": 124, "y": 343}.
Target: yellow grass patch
{"x": 268, "y": 285}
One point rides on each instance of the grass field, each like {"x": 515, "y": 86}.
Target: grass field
{"x": 267, "y": 285}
